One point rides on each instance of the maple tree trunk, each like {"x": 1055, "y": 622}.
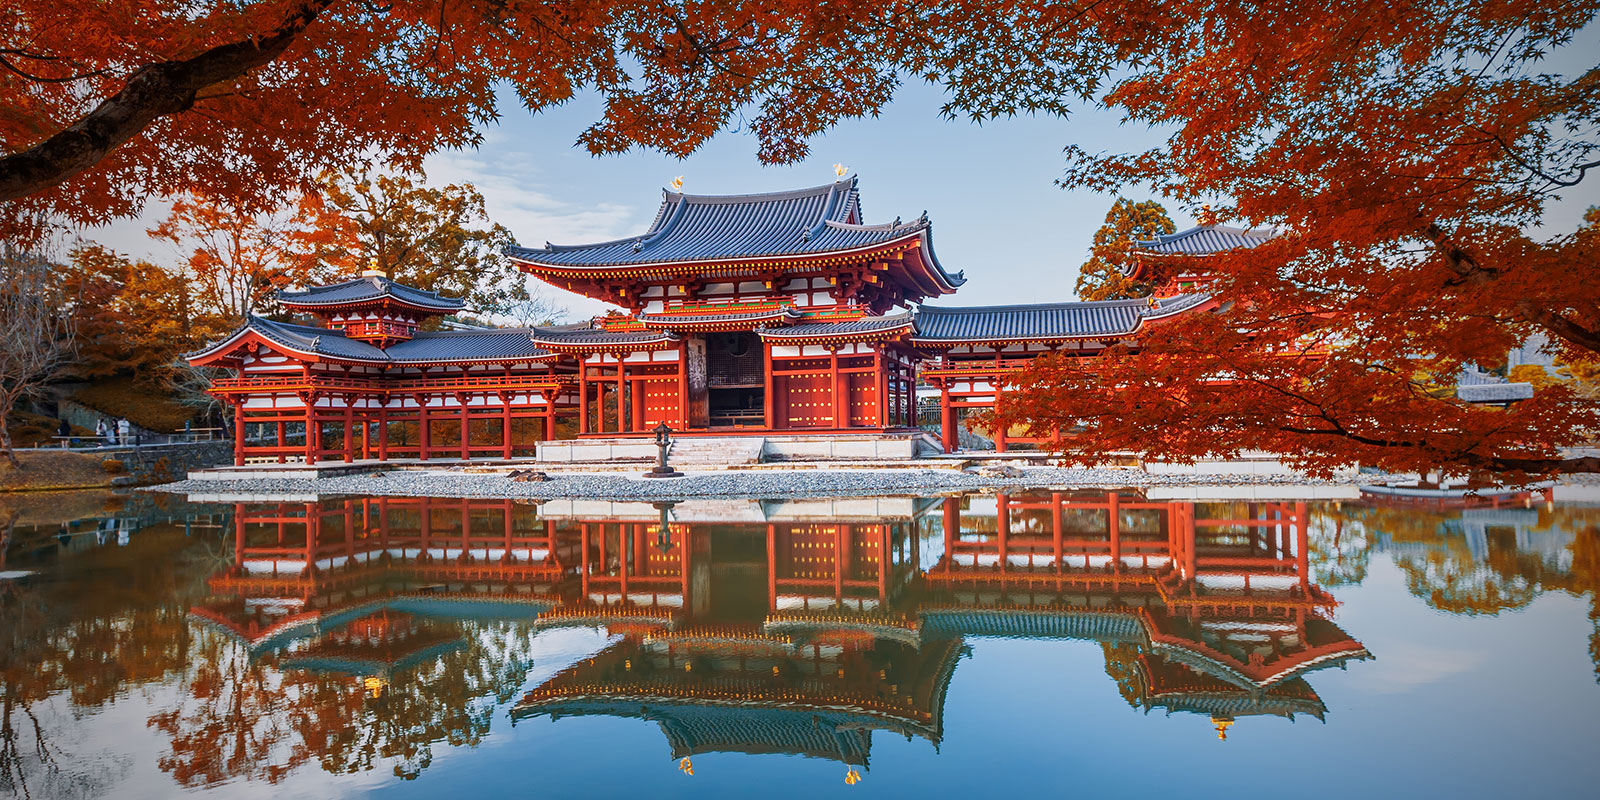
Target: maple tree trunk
{"x": 5, "y": 441}
{"x": 153, "y": 91}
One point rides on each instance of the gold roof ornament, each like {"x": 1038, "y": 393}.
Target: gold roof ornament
{"x": 852, "y": 777}
{"x": 677, "y": 184}
{"x": 686, "y": 767}
{"x": 840, "y": 170}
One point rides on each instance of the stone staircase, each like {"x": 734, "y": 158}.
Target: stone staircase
{"x": 691, "y": 452}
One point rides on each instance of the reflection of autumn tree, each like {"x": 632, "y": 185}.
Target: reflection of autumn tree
{"x": 59, "y": 641}
{"x": 262, "y": 719}
{"x": 1122, "y": 666}
{"x": 1340, "y": 549}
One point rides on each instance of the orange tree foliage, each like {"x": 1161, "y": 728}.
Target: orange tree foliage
{"x": 132, "y": 316}
{"x": 438, "y": 239}
{"x": 103, "y": 104}
{"x": 1105, "y": 275}
{"x": 237, "y": 260}
{"x": 1404, "y": 152}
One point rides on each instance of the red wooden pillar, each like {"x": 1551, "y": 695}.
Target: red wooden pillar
{"x": 947, "y": 419}
{"x": 313, "y": 436}
{"x": 768, "y": 401}
{"x": 349, "y": 430}
{"x": 424, "y": 430}
{"x": 383, "y": 433}
{"x": 238, "y": 431}
{"x": 683, "y": 384}
{"x": 583, "y": 394}
{"x": 622, "y": 395}
{"x": 880, "y": 388}
{"x": 638, "y": 387}
{"x": 505, "y": 424}
{"x": 282, "y": 440}
{"x": 841, "y": 402}
{"x": 466, "y": 418}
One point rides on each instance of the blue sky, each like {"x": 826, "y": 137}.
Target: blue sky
{"x": 989, "y": 189}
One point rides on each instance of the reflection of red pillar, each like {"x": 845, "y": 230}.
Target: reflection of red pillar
{"x": 947, "y": 421}
{"x": 841, "y": 541}
{"x": 1002, "y": 522}
{"x": 1114, "y": 527}
{"x": 772, "y": 566}
{"x": 883, "y": 564}
{"x": 952, "y": 524}
{"x": 1055, "y": 526}
{"x": 1302, "y": 556}
{"x": 1187, "y": 532}
{"x": 583, "y": 550}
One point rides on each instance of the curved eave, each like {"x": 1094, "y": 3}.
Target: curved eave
{"x": 218, "y": 351}
{"x": 1196, "y": 655}
{"x": 645, "y": 345}
{"x": 777, "y": 336}
{"x": 546, "y": 358}
{"x": 729, "y": 322}
{"x": 1087, "y": 337}
{"x": 695, "y": 266}
{"x": 386, "y": 300}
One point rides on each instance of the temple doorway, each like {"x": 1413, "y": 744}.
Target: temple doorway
{"x": 735, "y": 379}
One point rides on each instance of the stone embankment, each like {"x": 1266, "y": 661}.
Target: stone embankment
{"x": 774, "y": 484}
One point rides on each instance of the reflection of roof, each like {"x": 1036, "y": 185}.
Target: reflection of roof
{"x": 1204, "y": 240}
{"x": 1325, "y": 644}
{"x": 691, "y": 228}
{"x": 1103, "y": 626}
{"x": 367, "y": 288}
{"x": 695, "y": 728}
{"x": 1046, "y": 320}
{"x": 1175, "y": 687}
{"x": 432, "y": 347}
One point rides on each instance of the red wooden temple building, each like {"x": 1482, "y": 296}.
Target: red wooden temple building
{"x": 778, "y": 313}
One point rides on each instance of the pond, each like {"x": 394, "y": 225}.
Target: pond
{"x": 1095, "y": 643}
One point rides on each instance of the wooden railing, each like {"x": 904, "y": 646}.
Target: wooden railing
{"x": 246, "y": 383}
{"x": 976, "y": 367}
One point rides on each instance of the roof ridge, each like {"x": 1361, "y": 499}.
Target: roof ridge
{"x": 786, "y": 194}
{"x": 1132, "y": 301}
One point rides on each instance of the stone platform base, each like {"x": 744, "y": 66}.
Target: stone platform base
{"x": 744, "y": 450}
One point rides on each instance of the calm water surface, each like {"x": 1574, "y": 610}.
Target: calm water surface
{"x": 1094, "y": 644}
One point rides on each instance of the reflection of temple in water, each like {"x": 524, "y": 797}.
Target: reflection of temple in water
{"x": 797, "y": 627}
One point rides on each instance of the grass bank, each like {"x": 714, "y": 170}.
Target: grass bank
{"x": 44, "y": 470}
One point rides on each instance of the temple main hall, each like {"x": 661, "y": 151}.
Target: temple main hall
{"x": 736, "y": 315}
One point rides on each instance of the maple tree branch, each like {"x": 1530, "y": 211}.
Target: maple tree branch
{"x": 152, "y": 92}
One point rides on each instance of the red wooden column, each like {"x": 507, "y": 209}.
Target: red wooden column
{"x": 313, "y": 436}
{"x": 768, "y": 401}
{"x": 583, "y": 394}
{"x": 462, "y": 399}
{"x": 505, "y": 424}
{"x": 424, "y": 430}
{"x": 281, "y": 440}
{"x": 683, "y": 383}
{"x": 947, "y": 419}
{"x": 880, "y": 387}
{"x": 238, "y": 431}
{"x": 622, "y": 394}
{"x": 383, "y": 432}
{"x": 349, "y": 431}
{"x": 840, "y": 402}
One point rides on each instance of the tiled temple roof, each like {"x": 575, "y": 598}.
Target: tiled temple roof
{"x": 367, "y": 288}
{"x": 495, "y": 344}
{"x": 694, "y": 228}
{"x": 1204, "y": 240}
{"x": 498, "y": 344}
{"x": 559, "y": 337}
{"x": 1087, "y": 319}
{"x": 695, "y": 320}
{"x": 849, "y": 328}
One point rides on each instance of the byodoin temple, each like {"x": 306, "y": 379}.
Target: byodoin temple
{"x": 780, "y": 313}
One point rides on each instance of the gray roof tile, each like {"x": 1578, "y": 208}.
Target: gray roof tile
{"x": 1204, "y": 240}
{"x": 711, "y": 227}
{"x": 497, "y": 344}
{"x": 369, "y": 287}
{"x": 849, "y": 327}
{"x": 1041, "y": 321}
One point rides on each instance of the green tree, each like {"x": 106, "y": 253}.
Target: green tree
{"x": 1105, "y": 275}
{"x": 438, "y": 239}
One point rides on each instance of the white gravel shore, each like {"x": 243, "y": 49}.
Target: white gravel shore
{"x": 722, "y": 484}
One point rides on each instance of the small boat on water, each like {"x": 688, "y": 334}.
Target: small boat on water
{"x": 1452, "y": 494}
